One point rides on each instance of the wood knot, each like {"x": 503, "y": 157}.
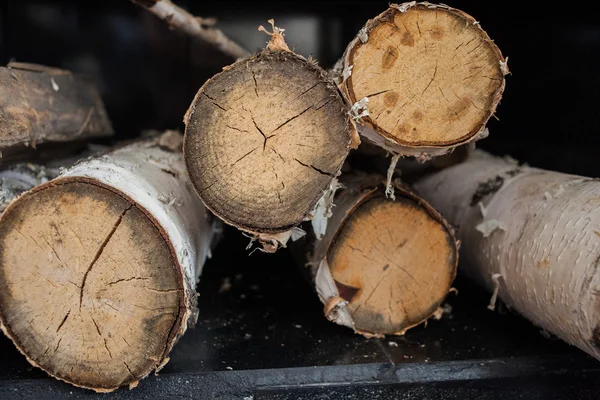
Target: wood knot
{"x": 407, "y": 39}
{"x": 390, "y": 99}
{"x": 417, "y": 116}
{"x": 437, "y": 33}
{"x": 390, "y": 57}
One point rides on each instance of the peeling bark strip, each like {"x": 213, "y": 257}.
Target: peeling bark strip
{"x": 41, "y": 104}
{"x": 264, "y": 139}
{"x": 431, "y": 75}
{"x": 545, "y": 252}
{"x": 383, "y": 266}
{"x": 196, "y": 27}
{"x": 112, "y": 250}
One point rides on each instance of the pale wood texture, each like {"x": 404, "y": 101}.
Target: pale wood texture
{"x": 41, "y": 104}
{"x": 98, "y": 267}
{"x": 531, "y": 236}
{"x": 264, "y": 139}
{"x": 196, "y": 27}
{"x": 431, "y": 75}
{"x": 383, "y": 266}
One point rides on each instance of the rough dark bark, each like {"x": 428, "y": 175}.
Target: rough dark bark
{"x": 42, "y": 104}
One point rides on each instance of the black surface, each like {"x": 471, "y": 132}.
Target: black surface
{"x": 266, "y": 337}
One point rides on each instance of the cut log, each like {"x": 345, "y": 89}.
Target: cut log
{"x": 196, "y": 27}
{"x": 112, "y": 250}
{"x": 532, "y": 237}
{"x": 42, "y": 104}
{"x": 422, "y": 79}
{"x": 382, "y": 266}
{"x": 263, "y": 141}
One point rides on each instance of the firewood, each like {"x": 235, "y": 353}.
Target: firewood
{"x": 42, "y": 104}
{"x": 531, "y": 236}
{"x": 264, "y": 140}
{"x": 422, "y": 79}
{"x": 98, "y": 267}
{"x": 381, "y": 266}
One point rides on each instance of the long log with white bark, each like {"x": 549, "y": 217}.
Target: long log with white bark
{"x": 264, "y": 139}
{"x": 380, "y": 266}
{"x": 98, "y": 267}
{"x": 422, "y": 79}
{"x": 531, "y": 236}
{"x": 40, "y": 104}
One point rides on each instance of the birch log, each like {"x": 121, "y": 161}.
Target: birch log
{"x": 42, "y": 104}
{"x": 382, "y": 266}
{"x": 422, "y": 79}
{"x": 112, "y": 250}
{"x": 264, "y": 140}
{"x": 531, "y": 236}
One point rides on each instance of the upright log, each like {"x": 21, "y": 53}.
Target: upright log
{"x": 98, "y": 267}
{"x": 422, "y": 79}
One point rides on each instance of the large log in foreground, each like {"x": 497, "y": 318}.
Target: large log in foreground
{"x": 98, "y": 267}
{"x": 531, "y": 236}
{"x": 382, "y": 266}
{"x": 422, "y": 79}
{"x": 264, "y": 139}
{"x": 42, "y": 104}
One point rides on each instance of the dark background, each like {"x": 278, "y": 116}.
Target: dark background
{"x": 269, "y": 318}
{"x": 149, "y": 74}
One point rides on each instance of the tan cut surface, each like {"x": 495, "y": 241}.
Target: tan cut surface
{"x": 89, "y": 290}
{"x": 263, "y": 139}
{"x": 394, "y": 263}
{"x": 432, "y": 76}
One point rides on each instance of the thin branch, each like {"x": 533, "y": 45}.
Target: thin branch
{"x": 196, "y": 27}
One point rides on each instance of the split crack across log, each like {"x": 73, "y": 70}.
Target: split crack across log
{"x": 99, "y": 252}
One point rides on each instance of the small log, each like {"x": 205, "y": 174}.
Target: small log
{"x": 112, "y": 250}
{"x": 422, "y": 79}
{"x": 195, "y": 27}
{"x": 530, "y": 236}
{"x": 42, "y": 104}
{"x": 264, "y": 139}
{"x": 382, "y": 266}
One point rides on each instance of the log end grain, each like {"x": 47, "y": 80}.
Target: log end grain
{"x": 393, "y": 262}
{"x": 89, "y": 287}
{"x": 433, "y": 77}
{"x": 264, "y": 139}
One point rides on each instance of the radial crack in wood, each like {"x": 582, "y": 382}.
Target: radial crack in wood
{"x": 97, "y": 272}
{"x": 264, "y": 139}
{"x": 134, "y": 244}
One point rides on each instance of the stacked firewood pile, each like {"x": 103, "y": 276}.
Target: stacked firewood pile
{"x": 101, "y": 250}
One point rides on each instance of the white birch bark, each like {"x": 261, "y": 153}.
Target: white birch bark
{"x": 531, "y": 235}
